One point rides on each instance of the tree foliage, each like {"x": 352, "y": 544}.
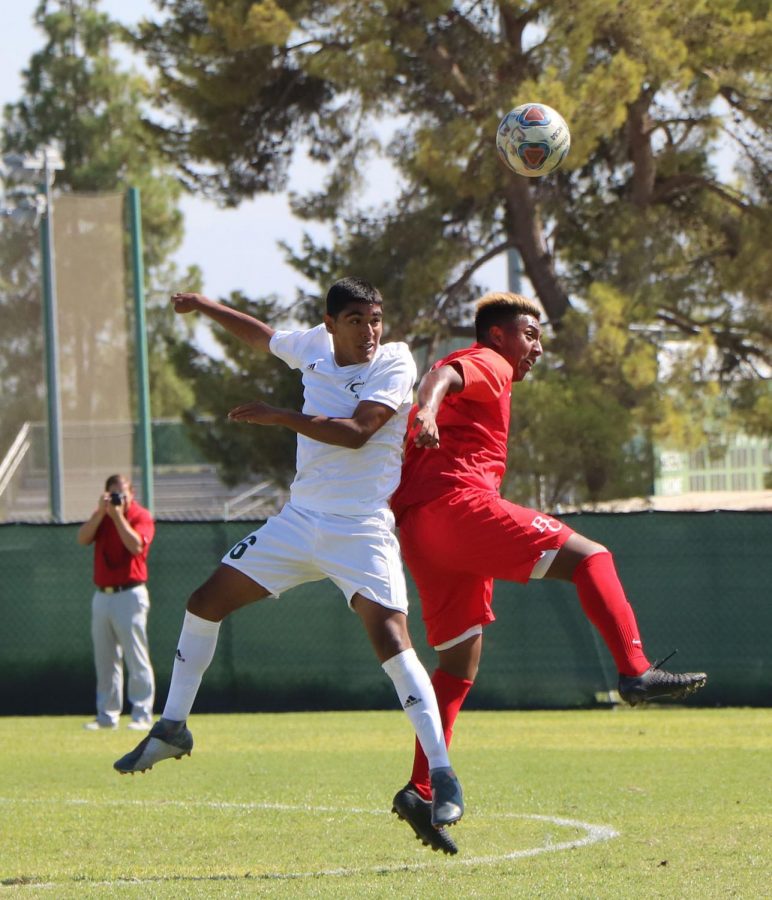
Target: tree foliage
{"x": 239, "y": 376}
{"x": 652, "y": 233}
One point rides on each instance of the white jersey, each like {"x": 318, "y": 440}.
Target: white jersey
{"x": 335, "y": 479}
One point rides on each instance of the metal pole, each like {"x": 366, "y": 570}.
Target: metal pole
{"x": 55, "y": 447}
{"x": 514, "y": 271}
{"x": 143, "y": 376}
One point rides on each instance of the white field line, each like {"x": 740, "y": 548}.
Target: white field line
{"x": 593, "y": 834}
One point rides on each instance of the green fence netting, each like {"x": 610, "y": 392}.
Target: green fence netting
{"x": 699, "y": 582}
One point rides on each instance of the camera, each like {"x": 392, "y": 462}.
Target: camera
{"x": 116, "y": 499}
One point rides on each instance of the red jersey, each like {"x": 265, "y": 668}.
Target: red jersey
{"x": 474, "y": 426}
{"x": 113, "y": 564}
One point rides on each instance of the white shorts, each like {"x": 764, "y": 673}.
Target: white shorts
{"x": 360, "y": 554}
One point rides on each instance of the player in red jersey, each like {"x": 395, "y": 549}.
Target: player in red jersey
{"x": 458, "y": 534}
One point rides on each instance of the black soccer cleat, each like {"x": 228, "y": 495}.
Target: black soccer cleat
{"x": 411, "y": 807}
{"x": 447, "y": 798}
{"x": 166, "y": 740}
{"x": 656, "y": 682}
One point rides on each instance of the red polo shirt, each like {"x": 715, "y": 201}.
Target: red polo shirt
{"x": 113, "y": 564}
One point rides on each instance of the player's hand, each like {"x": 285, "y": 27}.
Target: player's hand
{"x": 254, "y": 413}
{"x": 104, "y": 503}
{"x": 425, "y": 430}
{"x": 185, "y": 302}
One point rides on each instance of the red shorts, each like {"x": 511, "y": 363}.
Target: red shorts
{"x": 457, "y": 545}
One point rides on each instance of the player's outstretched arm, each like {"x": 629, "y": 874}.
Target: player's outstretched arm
{"x": 434, "y": 386}
{"x": 353, "y": 432}
{"x": 245, "y": 327}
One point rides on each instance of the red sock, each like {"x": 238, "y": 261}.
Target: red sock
{"x": 451, "y": 693}
{"x": 605, "y": 605}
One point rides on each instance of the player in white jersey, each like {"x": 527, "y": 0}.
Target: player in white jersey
{"x": 337, "y": 523}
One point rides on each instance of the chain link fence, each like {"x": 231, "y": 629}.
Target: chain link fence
{"x": 699, "y": 582}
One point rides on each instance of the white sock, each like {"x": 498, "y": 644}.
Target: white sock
{"x": 416, "y": 694}
{"x": 195, "y": 650}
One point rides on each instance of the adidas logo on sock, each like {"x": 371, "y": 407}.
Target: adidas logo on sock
{"x": 411, "y": 701}
{"x": 179, "y": 656}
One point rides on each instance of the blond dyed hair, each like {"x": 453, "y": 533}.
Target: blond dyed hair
{"x": 499, "y": 307}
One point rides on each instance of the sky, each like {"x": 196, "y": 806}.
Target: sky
{"x": 236, "y": 249}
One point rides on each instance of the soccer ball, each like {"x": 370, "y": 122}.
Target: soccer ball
{"x": 533, "y": 139}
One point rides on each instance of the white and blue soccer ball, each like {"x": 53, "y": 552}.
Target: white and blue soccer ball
{"x": 533, "y": 139}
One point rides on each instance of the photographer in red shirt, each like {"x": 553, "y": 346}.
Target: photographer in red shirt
{"x": 121, "y": 531}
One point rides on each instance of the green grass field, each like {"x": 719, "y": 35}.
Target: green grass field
{"x": 651, "y": 803}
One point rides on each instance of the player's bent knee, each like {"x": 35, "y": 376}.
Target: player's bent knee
{"x": 597, "y": 548}
{"x": 223, "y": 593}
{"x": 583, "y": 547}
{"x": 386, "y": 628}
{"x": 571, "y": 556}
{"x": 206, "y": 606}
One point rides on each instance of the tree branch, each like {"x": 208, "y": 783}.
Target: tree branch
{"x": 686, "y": 181}
{"x": 639, "y": 129}
{"x": 525, "y": 231}
{"x": 463, "y": 279}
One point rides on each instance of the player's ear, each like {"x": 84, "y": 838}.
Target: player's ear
{"x": 329, "y": 323}
{"x": 496, "y": 336}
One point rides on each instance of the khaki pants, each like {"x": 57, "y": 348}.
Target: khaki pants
{"x": 119, "y": 633}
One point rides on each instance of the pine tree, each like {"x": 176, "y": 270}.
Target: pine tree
{"x": 645, "y": 237}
